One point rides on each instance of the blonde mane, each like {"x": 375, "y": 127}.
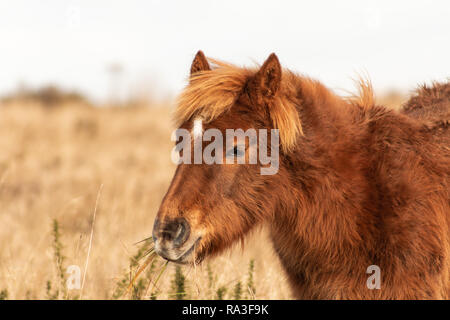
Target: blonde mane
{"x": 211, "y": 93}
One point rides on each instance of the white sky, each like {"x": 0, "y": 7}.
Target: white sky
{"x": 71, "y": 42}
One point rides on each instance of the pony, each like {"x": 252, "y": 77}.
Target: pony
{"x": 360, "y": 187}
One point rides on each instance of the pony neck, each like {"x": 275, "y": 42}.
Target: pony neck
{"x": 323, "y": 172}
{"x": 323, "y": 114}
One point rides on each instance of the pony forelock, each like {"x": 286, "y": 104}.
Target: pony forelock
{"x": 212, "y": 93}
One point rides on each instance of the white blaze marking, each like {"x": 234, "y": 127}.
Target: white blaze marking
{"x": 197, "y": 130}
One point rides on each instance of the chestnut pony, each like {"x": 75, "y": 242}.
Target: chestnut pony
{"x": 358, "y": 184}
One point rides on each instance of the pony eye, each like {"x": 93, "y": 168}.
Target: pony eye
{"x": 236, "y": 152}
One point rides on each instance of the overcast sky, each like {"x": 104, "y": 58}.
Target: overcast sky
{"x": 71, "y": 43}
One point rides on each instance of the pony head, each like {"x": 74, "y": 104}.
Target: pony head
{"x": 210, "y": 206}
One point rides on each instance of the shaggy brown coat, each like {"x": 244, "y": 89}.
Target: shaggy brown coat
{"x": 358, "y": 184}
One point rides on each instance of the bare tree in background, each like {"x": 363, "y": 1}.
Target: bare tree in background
{"x": 115, "y": 71}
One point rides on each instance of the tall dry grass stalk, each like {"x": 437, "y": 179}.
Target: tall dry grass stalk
{"x": 90, "y": 241}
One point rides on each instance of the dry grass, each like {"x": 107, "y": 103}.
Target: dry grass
{"x": 52, "y": 164}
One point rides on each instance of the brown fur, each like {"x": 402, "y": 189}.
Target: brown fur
{"x": 430, "y": 105}
{"x": 358, "y": 185}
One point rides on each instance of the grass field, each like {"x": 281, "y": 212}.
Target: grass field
{"x": 60, "y": 165}
{"x": 56, "y": 162}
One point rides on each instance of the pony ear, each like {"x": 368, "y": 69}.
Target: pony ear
{"x": 200, "y": 63}
{"x": 266, "y": 81}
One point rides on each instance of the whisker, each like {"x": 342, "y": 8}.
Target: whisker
{"x": 195, "y": 269}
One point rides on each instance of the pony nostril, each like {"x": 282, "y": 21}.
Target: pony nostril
{"x": 176, "y": 231}
{"x": 183, "y": 232}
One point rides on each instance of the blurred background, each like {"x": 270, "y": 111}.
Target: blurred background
{"x": 86, "y": 93}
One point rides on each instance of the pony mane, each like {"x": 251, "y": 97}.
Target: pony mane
{"x": 211, "y": 93}
{"x": 364, "y": 98}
